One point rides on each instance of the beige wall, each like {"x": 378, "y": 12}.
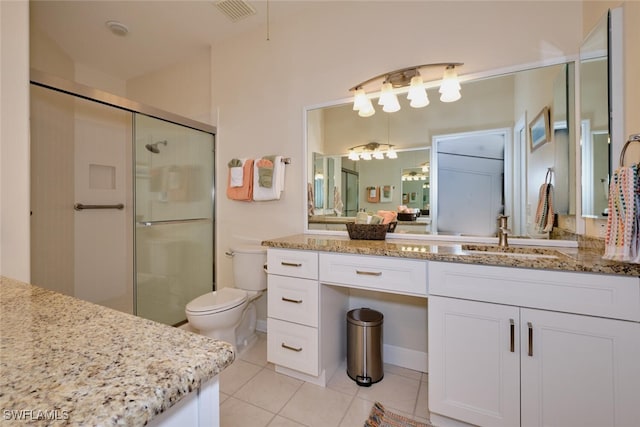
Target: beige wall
{"x": 183, "y": 89}
{"x": 14, "y": 139}
{"x": 260, "y": 96}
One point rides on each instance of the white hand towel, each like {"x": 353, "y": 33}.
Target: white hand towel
{"x": 236, "y": 176}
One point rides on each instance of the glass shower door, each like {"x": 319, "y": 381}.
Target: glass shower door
{"x": 174, "y": 217}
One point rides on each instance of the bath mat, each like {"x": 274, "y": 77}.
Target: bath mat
{"x": 381, "y": 417}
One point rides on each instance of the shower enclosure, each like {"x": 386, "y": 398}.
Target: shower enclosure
{"x": 121, "y": 201}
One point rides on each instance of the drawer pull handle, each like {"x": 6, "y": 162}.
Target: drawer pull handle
{"x": 369, "y": 273}
{"x": 296, "y": 301}
{"x": 291, "y": 264}
{"x": 530, "y": 326}
{"x": 288, "y": 347}
{"x": 512, "y": 327}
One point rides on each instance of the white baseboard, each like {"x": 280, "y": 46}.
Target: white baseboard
{"x": 261, "y": 325}
{"x": 411, "y": 359}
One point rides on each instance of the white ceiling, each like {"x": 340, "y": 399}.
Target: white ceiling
{"x": 161, "y": 33}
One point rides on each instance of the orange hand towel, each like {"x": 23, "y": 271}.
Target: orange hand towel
{"x": 244, "y": 193}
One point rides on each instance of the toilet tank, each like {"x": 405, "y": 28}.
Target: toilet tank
{"x": 248, "y": 267}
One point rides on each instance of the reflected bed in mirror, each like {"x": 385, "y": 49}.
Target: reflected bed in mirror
{"x": 508, "y": 102}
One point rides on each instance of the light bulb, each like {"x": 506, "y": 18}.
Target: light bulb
{"x": 365, "y": 156}
{"x": 353, "y": 156}
{"x": 388, "y": 99}
{"x": 360, "y": 99}
{"x": 378, "y": 155}
{"x": 367, "y": 109}
{"x": 391, "y": 154}
{"x": 417, "y": 93}
{"x": 450, "y": 86}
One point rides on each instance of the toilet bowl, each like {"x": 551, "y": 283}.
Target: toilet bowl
{"x": 228, "y": 314}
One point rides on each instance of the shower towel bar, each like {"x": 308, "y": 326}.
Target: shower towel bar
{"x": 80, "y": 206}
{"x": 173, "y": 221}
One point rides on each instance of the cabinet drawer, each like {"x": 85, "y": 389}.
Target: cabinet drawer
{"x": 373, "y": 272}
{"x": 616, "y": 297}
{"x": 293, "y": 299}
{"x": 293, "y": 346}
{"x": 286, "y": 262}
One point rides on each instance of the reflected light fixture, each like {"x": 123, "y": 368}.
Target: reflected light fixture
{"x": 372, "y": 150}
{"x": 394, "y": 82}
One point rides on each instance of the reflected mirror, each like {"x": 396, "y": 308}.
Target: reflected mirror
{"x": 595, "y": 125}
{"x": 507, "y": 102}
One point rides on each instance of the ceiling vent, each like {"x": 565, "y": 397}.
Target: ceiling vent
{"x": 235, "y": 9}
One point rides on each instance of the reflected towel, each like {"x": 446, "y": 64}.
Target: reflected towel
{"x": 621, "y": 240}
{"x": 337, "y": 202}
{"x": 544, "y": 213}
{"x": 387, "y": 216}
{"x": 244, "y": 192}
{"x": 310, "y": 200}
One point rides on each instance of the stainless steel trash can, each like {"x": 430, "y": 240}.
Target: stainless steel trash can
{"x": 364, "y": 346}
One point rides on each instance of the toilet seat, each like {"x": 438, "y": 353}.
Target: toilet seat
{"x": 217, "y": 301}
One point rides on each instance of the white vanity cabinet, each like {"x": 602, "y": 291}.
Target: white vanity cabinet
{"x": 302, "y": 316}
{"x": 499, "y": 357}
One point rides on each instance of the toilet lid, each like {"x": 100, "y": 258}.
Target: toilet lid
{"x": 220, "y": 300}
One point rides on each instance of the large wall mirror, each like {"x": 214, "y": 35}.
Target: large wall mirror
{"x": 598, "y": 66}
{"x": 502, "y": 105}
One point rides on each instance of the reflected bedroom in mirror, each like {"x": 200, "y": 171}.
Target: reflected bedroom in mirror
{"x": 452, "y": 168}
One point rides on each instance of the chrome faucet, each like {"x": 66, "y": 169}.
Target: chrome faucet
{"x": 503, "y": 231}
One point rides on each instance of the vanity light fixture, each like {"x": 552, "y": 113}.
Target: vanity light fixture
{"x": 394, "y": 82}
{"x": 414, "y": 176}
{"x": 372, "y": 150}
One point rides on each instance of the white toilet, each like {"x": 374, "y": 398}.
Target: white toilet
{"x": 229, "y": 314}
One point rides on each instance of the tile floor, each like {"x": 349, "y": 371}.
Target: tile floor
{"x": 252, "y": 394}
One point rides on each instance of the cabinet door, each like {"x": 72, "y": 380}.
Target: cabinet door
{"x": 579, "y": 370}
{"x": 474, "y": 361}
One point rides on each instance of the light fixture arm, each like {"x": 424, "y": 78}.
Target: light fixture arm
{"x": 402, "y": 76}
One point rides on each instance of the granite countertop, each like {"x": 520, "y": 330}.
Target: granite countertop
{"x": 88, "y": 365}
{"x": 546, "y": 258}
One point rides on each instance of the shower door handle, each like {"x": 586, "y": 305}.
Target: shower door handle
{"x": 81, "y": 206}
{"x": 173, "y": 221}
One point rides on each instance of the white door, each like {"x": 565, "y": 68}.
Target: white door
{"x": 474, "y": 362}
{"x": 579, "y": 370}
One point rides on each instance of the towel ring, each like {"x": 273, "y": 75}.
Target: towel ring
{"x": 632, "y": 138}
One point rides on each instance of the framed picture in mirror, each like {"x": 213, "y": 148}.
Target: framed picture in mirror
{"x": 539, "y": 129}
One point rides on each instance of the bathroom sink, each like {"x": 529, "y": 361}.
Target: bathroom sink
{"x": 510, "y": 252}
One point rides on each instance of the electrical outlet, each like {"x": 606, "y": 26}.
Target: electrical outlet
{"x": 602, "y": 230}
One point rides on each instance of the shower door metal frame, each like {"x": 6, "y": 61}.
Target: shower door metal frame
{"x": 48, "y": 81}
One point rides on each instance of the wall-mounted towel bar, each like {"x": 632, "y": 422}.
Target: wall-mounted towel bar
{"x": 632, "y": 138}
{"x": 81, "y": 206}
{"x": 173, "y": 221}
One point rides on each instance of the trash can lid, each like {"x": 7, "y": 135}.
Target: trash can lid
{"x": 364, "y": 317}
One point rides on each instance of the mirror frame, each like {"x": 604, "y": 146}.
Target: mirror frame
{"x": 308, "y": 164}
